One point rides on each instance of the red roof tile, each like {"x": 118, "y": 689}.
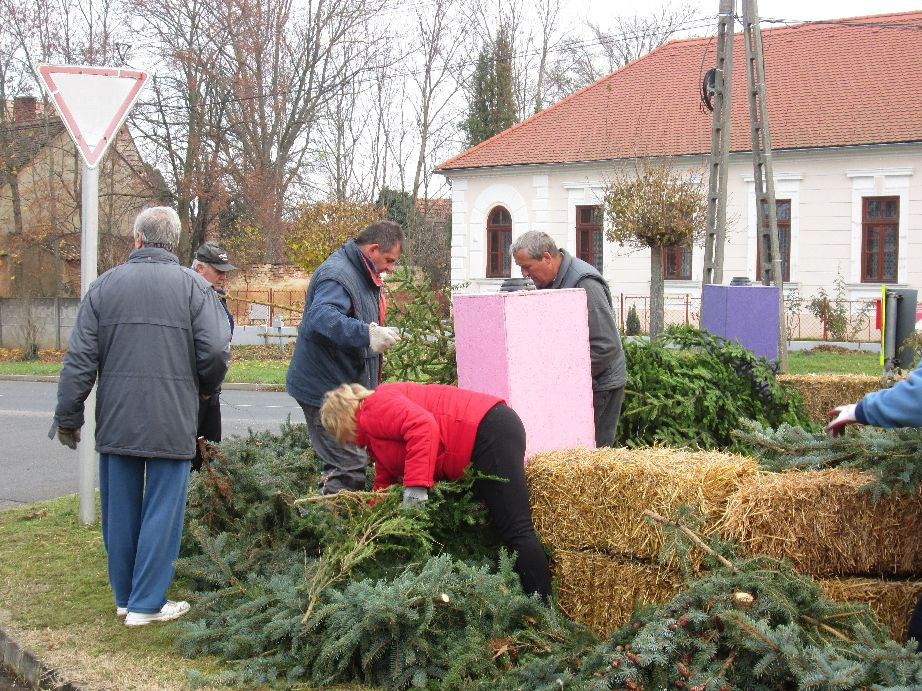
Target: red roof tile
{"x": 836, "y": 83}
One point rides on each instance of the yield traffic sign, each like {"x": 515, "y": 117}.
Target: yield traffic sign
{"x": 93, "y": 102}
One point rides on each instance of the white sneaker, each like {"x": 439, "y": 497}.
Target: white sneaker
{"x": 171, "y": 610}
{"x": 121, "y": 611}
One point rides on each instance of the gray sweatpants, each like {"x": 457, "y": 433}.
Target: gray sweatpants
{"x": 343, "y": 467}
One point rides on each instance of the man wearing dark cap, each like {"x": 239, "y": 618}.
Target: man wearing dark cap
{"x": 212, "y": 263}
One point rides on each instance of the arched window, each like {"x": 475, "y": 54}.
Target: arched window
{"x": 499, "y": 238}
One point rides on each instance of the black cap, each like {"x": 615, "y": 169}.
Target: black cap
{"x": 210, "y": 253}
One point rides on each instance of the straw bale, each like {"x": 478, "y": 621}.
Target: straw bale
{"x": 821, "y": 523}
{"x": 892, "y": 601}
{"x": 600, "y": 591}
{"x": 595, "y": 499}
{"x": 823, "y": 392}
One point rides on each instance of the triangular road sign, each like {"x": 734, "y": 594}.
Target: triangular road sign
{"x": 93, "y": 103}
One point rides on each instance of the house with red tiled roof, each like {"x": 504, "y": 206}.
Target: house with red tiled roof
{"x": 845, "y": 113}
{"x": 40, "y": 201}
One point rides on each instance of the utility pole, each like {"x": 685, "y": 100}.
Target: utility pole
{"x": 766, "y": 221}
{"x": 762, "y": 168}
{"x": 716, "y": 232}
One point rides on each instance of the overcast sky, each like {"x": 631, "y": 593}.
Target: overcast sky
{"x": 806, "y": 10}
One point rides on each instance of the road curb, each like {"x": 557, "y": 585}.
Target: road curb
{"x": 227, "y": 386}
{"x": 32, "y": 670}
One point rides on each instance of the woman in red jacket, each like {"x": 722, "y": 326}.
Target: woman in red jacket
{"x": 419, "y": 433}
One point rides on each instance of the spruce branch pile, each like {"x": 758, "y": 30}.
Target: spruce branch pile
{"x": 336, "y": 590}
{"x": 749, "y": 623}
{"x": 689, "y": 388}
{"x": 892, "y": 456}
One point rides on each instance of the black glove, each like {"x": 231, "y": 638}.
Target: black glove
{"x": 69, "y": 437}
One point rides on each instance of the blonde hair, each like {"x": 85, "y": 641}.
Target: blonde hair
{"x": 337, "y": 412}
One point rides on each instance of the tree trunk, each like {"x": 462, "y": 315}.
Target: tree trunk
{"x": 656, "y": 291}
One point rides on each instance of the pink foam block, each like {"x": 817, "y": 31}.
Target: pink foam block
{"x": 531, "y": 348}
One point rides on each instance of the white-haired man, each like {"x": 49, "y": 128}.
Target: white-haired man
{"x": 158, "y": 340}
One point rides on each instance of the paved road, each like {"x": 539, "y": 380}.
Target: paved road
{"x": 33, "y": 467}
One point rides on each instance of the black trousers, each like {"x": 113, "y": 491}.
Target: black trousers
{"x": 209, "y": 424}
{"x": 499, "y": 449}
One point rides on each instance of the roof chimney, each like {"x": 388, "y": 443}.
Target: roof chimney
{"x": 24, "y": 108}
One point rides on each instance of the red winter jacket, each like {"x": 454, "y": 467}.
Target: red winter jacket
{"x": 420, "y": 432}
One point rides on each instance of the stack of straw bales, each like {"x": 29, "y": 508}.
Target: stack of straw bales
{"x": 588, "y": 507}
{"x": 823, "y": 392}
{"x": 828, "y": 528}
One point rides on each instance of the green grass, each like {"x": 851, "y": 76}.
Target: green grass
{"x": 268, "y": 366}
{"x": 257, "y": 371}
{"x": 57, "y": 603}
{"x": 858, "y": 362}
{"x": 249, "y": 369}
{"x": 30, "y": 368}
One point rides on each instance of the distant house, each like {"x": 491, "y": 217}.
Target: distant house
{"x": 40, "y": 202}
{"x": 845, "y": 115}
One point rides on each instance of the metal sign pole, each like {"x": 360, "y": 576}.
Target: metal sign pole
{"x": 89, "y": 251}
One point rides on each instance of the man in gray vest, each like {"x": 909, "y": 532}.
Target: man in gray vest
{"x": 341, "y": 339}
{"x": 538, "y": 257}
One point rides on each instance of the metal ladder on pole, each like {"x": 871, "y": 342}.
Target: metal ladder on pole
{"x": 763, "y": 169}
{"x": 766, "y": 220}
{"x": 716, "y": 231}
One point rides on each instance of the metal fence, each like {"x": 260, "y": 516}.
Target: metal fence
{"x": 835, "y": 320}
{"x": 832, "y": 320}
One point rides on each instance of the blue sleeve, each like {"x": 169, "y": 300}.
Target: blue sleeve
{"x": 329, "y": 313}
{"x": 898, "y": 406}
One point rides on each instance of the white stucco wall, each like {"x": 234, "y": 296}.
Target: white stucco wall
{"x": 825, "y": 188}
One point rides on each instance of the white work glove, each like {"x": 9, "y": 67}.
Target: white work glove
{"x": 69, "y": 437}
{"x": 381, "y": 338}
{"x": 842, "y": 415}
{"x": 415, "y": 495}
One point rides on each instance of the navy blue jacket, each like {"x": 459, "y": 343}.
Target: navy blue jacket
{"x": 333, "y": 344}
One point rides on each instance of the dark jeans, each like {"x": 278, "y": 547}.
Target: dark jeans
{"x": 499, "y": 449}
{"x": 209, "y": 424}
{"x": 343, "y": 466}
{"x": 607, "y": 411}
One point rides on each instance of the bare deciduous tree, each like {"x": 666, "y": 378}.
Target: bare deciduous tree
{"x": 183, "y": 116}
{"x": 600, "y": 50}
{"x": 655, "y": 207}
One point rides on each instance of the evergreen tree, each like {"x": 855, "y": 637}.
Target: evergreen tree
{"x": 399, "y": 205}
{"x": 492, "y": 106}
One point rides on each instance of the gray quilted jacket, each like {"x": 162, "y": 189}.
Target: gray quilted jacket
{"x": 155, "y": 336}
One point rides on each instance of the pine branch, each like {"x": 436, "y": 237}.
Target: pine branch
{"x": 693, "y": 536}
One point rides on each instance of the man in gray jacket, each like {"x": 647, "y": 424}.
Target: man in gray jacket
{"x": 538, "y": 257}
{"x": 156, "y": 336}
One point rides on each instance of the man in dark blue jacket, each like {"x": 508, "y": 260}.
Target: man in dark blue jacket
{"x": 341, "y": 339}
{"x": 156, "y": 336}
